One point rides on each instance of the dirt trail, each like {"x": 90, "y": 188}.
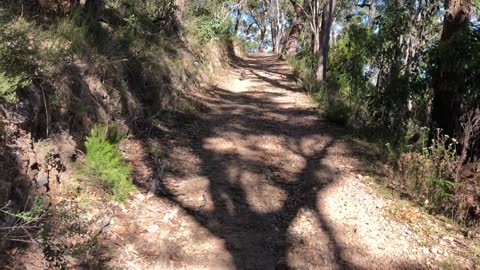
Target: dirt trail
{"x": 260, "y": 181}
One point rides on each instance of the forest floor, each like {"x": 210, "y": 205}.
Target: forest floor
{"x": 260, "y": 181}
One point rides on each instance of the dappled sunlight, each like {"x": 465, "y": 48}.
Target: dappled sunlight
{"x": 250, "y": 184}
{"x": 304, "y": 225}
{"x": 160, "y": 134}
{"x": 220, "y": 145}
{"x": 259, "y": 193}
{"x": 263, "y": 165}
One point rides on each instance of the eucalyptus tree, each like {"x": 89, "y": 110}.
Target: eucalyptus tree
{"x": 449, "y": 81}
{"x": 326, "y": 26}
{"x": 258, "y": 12}
{"x": 296, "y": 28}
{"x": 279, "y": 12}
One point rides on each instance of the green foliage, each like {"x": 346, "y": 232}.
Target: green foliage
{"x": 206, "y": 20}
{"x": 210, "y": 8}
{"x": 461, "y": 56}
{"x": 8, "y": 85}
{"x": 208, "y": 29}
{"x": 21, "y": 225}
{"x": 349, "y": 75}
{"x": 427, "y": 173}
{"x": 304, "y": 66}
{"x": 104, "y": 163}
{"x": 337, "y": 112}
{"x": 343, "y": 97}
{"x": 250, "y": 46}
{"x": 152, "y": 16}
{"x": 33, "y": 215}
{"x": 133, "y": 26}
{"x": 440, "y": 194}
{"x": 16, "y": 58}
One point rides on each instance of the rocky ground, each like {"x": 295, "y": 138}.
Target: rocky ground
{"x": 260, "y": 181}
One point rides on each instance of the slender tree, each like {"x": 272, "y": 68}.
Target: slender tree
{"x": 327, "y": 20}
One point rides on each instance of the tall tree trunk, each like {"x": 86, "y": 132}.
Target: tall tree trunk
{"x": 312, "y": 9}
{"x": 274, "y": 33}
{"x": 327, "y": 19}
{"x": 316, "y": 37}
{"x": 237, "y": 20}
{"x": 276, "y": 26}
{"x": 293, "y": 36}
{"x": 262, "y": 40}
{"x": 280, "y": 29}
{"x": 239, "y": 15}
{"x": 448, "y": 84}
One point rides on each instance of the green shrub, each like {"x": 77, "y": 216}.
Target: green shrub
{"x": 16, "y": 58}
{"x": 304, "y": 66}
{"x": 8, "y": 85}
{"x": 207, "y": 29}
{"x": 337, "y": 112}
{"x": 250, "y": 46}
{"x": 105, "y": 165}
{"x": 427, "y": 173}
{"x": 34, "y": 214}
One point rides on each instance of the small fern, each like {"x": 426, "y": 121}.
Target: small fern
{"x": 104, "y": 163}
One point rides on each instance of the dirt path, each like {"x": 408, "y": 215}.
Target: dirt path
{"x": 260, "y": 181}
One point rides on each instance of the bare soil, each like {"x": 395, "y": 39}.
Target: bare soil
{"x": 260, "y": 181}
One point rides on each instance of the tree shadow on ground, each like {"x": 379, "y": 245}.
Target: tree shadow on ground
{"x": 256, "y": 240}
{"x": 260, "y": 237}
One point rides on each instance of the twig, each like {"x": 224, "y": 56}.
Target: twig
{"x": 20, "y": 240}
{"x": 80, "y": 151}
{"x": 103, "y": 225}
{"x": 46, "y": 108}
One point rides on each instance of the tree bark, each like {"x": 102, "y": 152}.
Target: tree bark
{"x": 448, "y": 83}
{"x": 276, "y": 27}
{"x": 293, "y": 36}
{"x": 237, "y": 20}
{"x": 327, "y": 20}
{"x": 312, "y": 10}
{"x": 262, "y": 39}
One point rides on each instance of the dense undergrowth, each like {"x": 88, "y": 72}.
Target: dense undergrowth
{"x": 392, "y": 110}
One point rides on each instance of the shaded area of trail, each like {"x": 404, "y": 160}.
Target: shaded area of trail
{"x": 248, "y": 182}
